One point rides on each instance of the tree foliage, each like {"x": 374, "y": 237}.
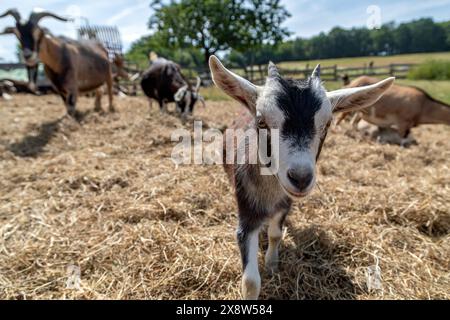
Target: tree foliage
{"x": 418, "y": 36}
{"x": 216, "y": 25}
{"x": 250, "y": 32}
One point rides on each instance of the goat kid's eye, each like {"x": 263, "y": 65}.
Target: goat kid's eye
{"x": 262, "y": 124}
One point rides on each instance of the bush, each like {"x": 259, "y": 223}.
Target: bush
{"x": 431, "y": 70}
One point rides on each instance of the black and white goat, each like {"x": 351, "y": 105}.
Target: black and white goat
{"x": 302, "y": 111}
{"x": 165, "y": 83}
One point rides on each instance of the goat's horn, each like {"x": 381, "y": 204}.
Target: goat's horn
{"x": 180, "y": 93}
{"x": 8, "y": 30}
{"x": 199, "y": 82}
{"x": 12, "y": 12}
{"x": 35, "y": 17}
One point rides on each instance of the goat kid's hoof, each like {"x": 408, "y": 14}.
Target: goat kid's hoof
{"x": 250, "y": 289}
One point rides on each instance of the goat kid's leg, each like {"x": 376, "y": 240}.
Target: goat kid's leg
{"x": 275, "y": 233}
{"x": 249, "y": 245}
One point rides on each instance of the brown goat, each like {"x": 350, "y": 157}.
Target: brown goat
{"x": 402, "y": 108}
{"x": 73, "y": 67}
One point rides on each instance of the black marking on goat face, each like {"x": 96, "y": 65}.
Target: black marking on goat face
{"x": 299, "y": 103}
{"x": 188, "y": 101}
{"x": 29, "y": 39}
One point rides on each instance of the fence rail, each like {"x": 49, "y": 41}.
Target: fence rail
{"x": 334, "y": 73}
{"x": 10, "y": 66}
{"x": 257, "y": 74}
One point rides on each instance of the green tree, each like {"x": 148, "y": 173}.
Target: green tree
{"x": 446, "y": 27}
{"x": 383, "y": 39}
{"x": 428, "y": 36}
{"x": 219, "y": 25}
{"x": 187, "y": 57}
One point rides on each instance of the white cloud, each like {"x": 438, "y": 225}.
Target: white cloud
{"x": 127, "y": 12}
{"x": 131, "y": 16}
{"x": 311, "y": 17}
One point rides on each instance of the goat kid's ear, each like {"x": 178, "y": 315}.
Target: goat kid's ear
{"x": 233, "y": 85}
{"x": 353, "y": 99}
{"x": 273, "y": 70}
{"x": 316, "y": 72}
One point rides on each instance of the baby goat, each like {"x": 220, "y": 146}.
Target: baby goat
{"x": 302, "y": 111}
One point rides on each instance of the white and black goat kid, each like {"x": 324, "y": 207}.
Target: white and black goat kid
{"x": 302, "y": 111}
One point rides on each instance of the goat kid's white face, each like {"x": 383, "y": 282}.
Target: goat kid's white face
{"x": 301, "y": 110}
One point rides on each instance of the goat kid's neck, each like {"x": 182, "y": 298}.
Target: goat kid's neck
{"x": 261, "y": 191}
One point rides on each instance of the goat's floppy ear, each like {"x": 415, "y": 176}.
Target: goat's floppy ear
{"x": 353, "y": 99}
{"x": 233, "y": 85}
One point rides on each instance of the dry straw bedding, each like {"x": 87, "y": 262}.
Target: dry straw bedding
{"x": 103, "y": 195}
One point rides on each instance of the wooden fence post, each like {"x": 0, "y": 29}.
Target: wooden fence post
{"x": 261, "y": 72}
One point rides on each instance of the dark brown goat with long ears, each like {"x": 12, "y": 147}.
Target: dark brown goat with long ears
{"x": 73, "y": 67}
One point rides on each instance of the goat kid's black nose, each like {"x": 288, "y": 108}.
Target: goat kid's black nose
{"x": 301, "y": 178}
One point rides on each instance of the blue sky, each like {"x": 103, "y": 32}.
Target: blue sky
{"x": 131, "y": 16}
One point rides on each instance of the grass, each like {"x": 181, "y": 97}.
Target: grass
{"x": 438, "y": 89}
{"x": 431, "y": 70}
{"x": 214, "y": 94}
{"x": 360, "y": 61}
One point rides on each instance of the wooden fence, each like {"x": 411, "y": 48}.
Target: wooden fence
{"x": 335, "y": 73}
{"x": 257, "y": 74}
{"x": 10, "y": 66}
